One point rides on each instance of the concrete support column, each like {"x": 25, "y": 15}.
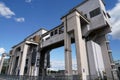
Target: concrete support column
{"x": 72, "y": 23}
{"x": 67, "y": 44}
{"x": 95, "y": 59}
{"x": 22, "y": 66}
{"x": 19, "y": 63}
{"x": 32, "y": 71}
{"x": 68, "y": 57}
{"x": 10, "y": 64}
{"x": 44, "y": 62}
{"x": 82, "y": 62}
{"x": 42, "y": 69}
{"x": 2, "y": 61}
{"x": 107, "y": 63}
{"x": 29, "y": 68}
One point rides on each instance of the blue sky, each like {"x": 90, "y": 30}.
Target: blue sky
{"x": 20, "y": 18}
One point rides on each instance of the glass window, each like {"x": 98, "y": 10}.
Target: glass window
{"x": 104, "y": 13}
{"x": 56, "y": 31}
{"x": 61, "y": 30}
{"x": 51, "y": 34}
{"x": 95, "y": 12}
{"x": 47, "y": 38}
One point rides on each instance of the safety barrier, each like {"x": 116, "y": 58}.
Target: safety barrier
{"x": 51, "y": 77}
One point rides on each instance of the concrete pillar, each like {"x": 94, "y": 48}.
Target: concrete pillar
{"x": 68, "y": 57}
{"x": 22, "y": 66}
{"x": 10, "y": 69}
{"x": 81, "y": 54}
{"x": 67, "y": 44}
{"x": 2, "y": 61}
{"x": 19, "y": 62}
{"x": 72, "y": 24}
{"x": 44, "y": 62}
{"x": 10, "y": 64}
{"x": 107, "y": 63}
{"x": 31, "y": 71}
{"x": 29, "y": 67}
{"x": 13, "y": 58}
{"x": 41, "y": 64}
{"x": 95, "y": 59}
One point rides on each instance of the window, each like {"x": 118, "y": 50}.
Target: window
{"x": 47, "y": 38}
{"x": 95, "y": 12}
{"x": 61, "y": 30}
{"x": 56, "y": 31}
{"x": 51, "y": 34}
{"x": 104, "y": 13}
{"x": 108, "y": 15}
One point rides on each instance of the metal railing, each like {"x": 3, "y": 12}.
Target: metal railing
{"x": 51, "y": 77}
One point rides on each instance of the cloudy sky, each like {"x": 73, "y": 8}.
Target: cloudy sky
{"x": 115, "y": 20}
{"x": 20, "y": 18}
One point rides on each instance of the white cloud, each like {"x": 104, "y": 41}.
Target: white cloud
{"x": 21, "y": 19}
{"x": 8, "y": 13}
{"x": 115, "y": 19}
{"x": 2, "y": 50}
{"x": 28, "y": 1}
{"x": 5, "y": 11}
{"x": 57, "y": 65}
{"x": 60, "y": 65}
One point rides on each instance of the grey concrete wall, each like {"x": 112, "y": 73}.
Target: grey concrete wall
{"x": 97, "y": 21}
{"x": 102, "y": 41}
{"x": 96, "y": 64}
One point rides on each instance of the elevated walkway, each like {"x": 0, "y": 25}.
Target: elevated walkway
{"x": 55, "y": 37}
